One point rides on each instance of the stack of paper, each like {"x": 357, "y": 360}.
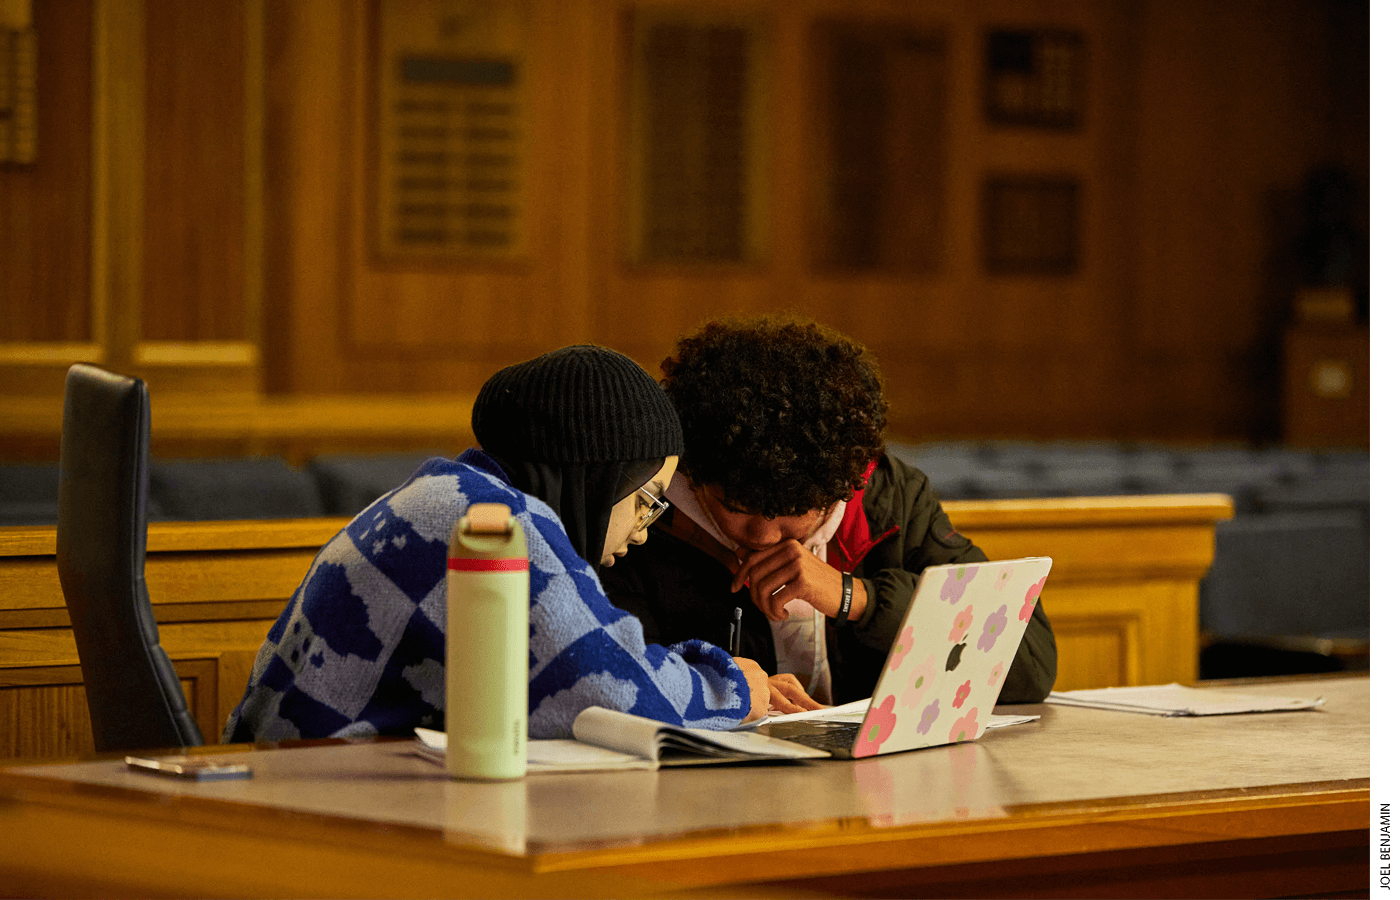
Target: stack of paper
{"x": 1176, "y": 700}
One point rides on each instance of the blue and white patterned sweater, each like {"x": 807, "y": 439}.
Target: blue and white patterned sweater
{"x": 359, "y": 648}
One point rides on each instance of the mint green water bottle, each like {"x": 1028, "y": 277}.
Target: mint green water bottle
{"x": 488, "y": 645}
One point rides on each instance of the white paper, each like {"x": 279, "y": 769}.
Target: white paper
{"x": 1177, "y": 700}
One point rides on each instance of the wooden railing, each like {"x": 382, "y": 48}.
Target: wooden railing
{"x": 1123, "y": 595}
{"x": 1122, "y": 598}
{"x": 216, "y": 588}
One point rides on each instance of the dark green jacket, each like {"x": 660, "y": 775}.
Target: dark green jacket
{"x": 679, "y": 591}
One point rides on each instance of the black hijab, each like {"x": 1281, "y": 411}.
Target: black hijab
{"x": 580, "y": 428}
{"x": 583, "y": 494}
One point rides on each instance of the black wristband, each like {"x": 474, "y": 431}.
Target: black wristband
{"x": 848, "y": 588}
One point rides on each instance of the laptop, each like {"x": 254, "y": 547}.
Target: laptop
{"x": 947, "y": 665}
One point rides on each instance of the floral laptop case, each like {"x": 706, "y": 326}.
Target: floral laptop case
{"x": 947, "y": 666}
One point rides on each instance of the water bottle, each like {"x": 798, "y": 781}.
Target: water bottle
{"x": 488, "y": 645}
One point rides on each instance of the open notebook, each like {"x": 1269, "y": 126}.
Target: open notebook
{"x": 947, "y": 666}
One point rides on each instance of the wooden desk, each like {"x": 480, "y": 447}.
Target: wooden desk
{"x": 1080, "y": 803}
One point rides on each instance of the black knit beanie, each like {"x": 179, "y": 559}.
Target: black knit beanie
{"x": 579, "y": 404}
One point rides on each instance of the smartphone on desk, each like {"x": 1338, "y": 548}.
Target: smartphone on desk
{"x": 189, "y": 768}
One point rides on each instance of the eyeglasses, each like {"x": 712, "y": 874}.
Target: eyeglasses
{"x": 652, "y": 511}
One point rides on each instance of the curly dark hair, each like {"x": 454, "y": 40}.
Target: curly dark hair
{"x": 782, "y": 414}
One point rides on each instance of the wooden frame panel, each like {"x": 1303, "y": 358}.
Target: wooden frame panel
{"x": 216, "y": 588}
{"x": 44, "y": 711}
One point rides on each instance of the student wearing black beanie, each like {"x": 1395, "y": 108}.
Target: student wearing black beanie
{"x": 582, "y": 428}
{"x": 580, "y": 444}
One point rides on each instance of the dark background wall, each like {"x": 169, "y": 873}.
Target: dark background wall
{"x": 1075, "y": 219}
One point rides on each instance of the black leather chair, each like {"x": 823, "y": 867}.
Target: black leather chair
{"x": 134, "y": 696}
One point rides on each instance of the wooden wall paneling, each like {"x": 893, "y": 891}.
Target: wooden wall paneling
{"x": 1111, "y": 223}
{"x": 1201, "y": 118}
{"x": 958, "y": 346}
{"x": 50, "y": 316}
{"x": 216, "y": 589}
{"x": 199, "y": 681}
{"x": 1003, "y": 338}
{"x": 44, "y": 710}
{"x": 1031, "y": 342}
{"x": 44, "y": 206}
{"x": 1327, "y": 392}
{"x": 450, "y": 325}
{"x": 877, "y": 168}
{"x": 1097, "y": 649}
{"x": 644, "y": 305}
{"x": 1231, "y": 124}
{"x": 192, "y": 266}
{"x": 201, "y": 276}
{"x": 358, "y": 320}
{"x": 118, "y": 194}
{"x": 448, "y": 130}
{"x": 1125, "y": 581}
{"x": 309, "y": 181}
{"x": 916, "y": 323}
{"x": 694, "y": 172}
{"x": 235, "y": 667}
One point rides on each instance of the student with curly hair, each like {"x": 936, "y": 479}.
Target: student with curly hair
{"x": 787, "y": 507}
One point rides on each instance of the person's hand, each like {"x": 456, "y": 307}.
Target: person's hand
{"x": 787, "y": 571}
{"x": 785, "y": 695}
{"x": 758, "y": 687}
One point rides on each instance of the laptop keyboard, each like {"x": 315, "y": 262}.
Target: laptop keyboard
{"x": 823, "y": 736}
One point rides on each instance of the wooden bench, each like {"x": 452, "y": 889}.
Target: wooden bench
{"x": 1122, "y": 598}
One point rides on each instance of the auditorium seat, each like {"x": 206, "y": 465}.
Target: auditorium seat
{"x": 232, "y": 488}
{"x": 28, "y": 494}
{"x": 349, "y": 482}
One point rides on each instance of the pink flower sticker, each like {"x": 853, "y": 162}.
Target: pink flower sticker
{"x": 1003, "y": 576}
{"x": 878, "y": 727}
{"x": 996, "y": 673}
{"x": 920, "y": 680}
{"x": 902, "y": 646}
{"x": 1032, "y": 595}
{"x": 961, "y": 623}
{"x": 958, "y": 580}
{"x": 964, "y": 729}
{"x": 963, "y": 690}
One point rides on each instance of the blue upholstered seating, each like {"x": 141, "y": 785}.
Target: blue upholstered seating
{"x": 349, "y": 482}
{"x": 29, "y": 494}
{"x": 232, "y": 488}
{"x": 1293, "y": 564}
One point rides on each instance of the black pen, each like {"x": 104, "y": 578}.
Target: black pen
{"x": 734, "y": 631}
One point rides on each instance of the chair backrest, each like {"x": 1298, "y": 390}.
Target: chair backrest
{"x": 134, "y": 695}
